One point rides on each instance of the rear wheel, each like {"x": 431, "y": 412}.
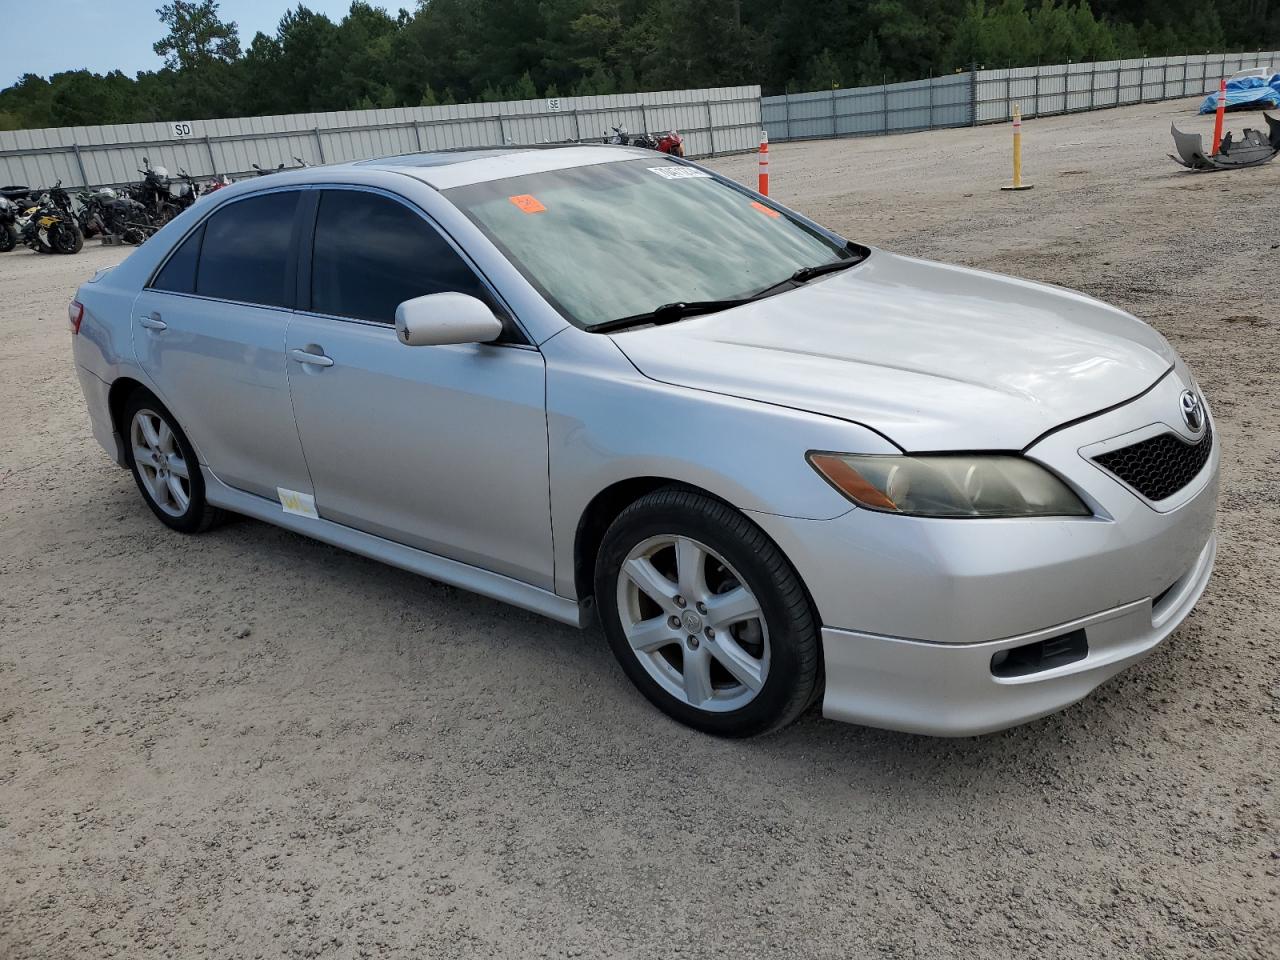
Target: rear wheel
{"x": 706, "y": 616}
{"x": 8, "y": 238}
{"x": 165, "y": 467}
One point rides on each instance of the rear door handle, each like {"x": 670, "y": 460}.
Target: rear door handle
{"x": 305, "y": 356}
{"x": 152, "y": 321}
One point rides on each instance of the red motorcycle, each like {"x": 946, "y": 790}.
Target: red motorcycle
{"x": 671, "y": 142}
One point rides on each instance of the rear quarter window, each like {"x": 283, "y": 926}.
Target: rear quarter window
{"x": 178, "y": 275}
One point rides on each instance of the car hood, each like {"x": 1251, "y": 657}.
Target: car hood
{"x": 935, "y": 357}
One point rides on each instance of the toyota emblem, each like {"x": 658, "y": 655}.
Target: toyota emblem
{"x": 1192, "y": 411}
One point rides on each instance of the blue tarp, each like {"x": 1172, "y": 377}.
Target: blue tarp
{"x": 1245, "y": 93}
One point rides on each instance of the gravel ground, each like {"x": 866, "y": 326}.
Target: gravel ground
{"x": 251, "y": 745}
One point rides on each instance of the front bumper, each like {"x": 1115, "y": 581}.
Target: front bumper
{"x": 914, "y": 608}
{"x": 950, "y": 690}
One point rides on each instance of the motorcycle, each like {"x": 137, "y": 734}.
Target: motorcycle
{"x": 670, "y": 142}
{"x": 153, "y": 193}
{"x": 105, "y": 212}
{"x": 8, "y": 224}
{"x": 185, "y": 192}
{"x": 48, "y": 226}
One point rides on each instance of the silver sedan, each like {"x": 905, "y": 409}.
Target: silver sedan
{"x": 778, "y": 466}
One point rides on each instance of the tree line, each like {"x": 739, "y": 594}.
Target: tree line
{"x": 447, "y": 51}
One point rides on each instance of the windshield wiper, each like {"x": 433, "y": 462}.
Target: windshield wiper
{"x": 669, "y": 313}
{"x": 856, "y": 255}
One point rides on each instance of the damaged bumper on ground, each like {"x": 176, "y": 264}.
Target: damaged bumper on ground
{"x": 1252, "y": 149}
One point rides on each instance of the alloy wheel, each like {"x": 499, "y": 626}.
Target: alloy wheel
{"x": 693, "y": 623}
{"x": 164, "y": 471}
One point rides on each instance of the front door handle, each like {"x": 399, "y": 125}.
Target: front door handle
{"x": 306, "y": 356}
{"x": 152, "y": 321}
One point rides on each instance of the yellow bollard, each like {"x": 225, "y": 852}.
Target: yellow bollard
{"x": 1017, "y": 152}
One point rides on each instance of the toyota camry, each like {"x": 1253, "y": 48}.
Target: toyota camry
{"x": 778, "y": 466}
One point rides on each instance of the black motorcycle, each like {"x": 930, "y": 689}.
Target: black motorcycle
{"x": 105, "y": 212}
{"x": 153, "y": 193}
{"x": 8, "y": 225}
{"x": 9, "y": 212}
{"x": 185, "y": 191}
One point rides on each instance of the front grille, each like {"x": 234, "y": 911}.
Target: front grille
{"x": 1160, "y": 466}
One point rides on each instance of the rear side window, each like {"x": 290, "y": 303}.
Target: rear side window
{"x": 372, "y": 254}
{"x": 245, "y": 254}
{"x": 179, "y": 273}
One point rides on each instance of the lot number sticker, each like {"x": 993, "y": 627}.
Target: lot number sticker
{"x": 528, "y": 203}
{"x": 181, "y": 129}
{"x": 679, "y": 173}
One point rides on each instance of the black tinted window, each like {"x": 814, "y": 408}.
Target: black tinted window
{"x": 245, "y": 255}
{"x": 372, "y": 254}
{"x": 179, "y": 273}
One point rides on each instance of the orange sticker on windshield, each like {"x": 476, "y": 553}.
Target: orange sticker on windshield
{"x": 528, "y": 203}
{"x": 767, "y": 211}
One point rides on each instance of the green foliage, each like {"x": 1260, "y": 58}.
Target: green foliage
{"x": 446, "y": 51}
{"x": 196, "y": 36}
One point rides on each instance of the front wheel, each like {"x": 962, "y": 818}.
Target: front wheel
{"x": 8, "y": 238}
{"x": 706, "y": 616}
{"x": 165, "y": 467}
{"x": 65, "y": 237}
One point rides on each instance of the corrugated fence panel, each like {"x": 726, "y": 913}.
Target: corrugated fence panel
{"x": 713, "y": 121}
{"x": 988, "y": 96}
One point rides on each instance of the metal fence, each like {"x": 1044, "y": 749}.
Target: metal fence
{"x": 988, "y": 96}
{"x": 713, "y": 121}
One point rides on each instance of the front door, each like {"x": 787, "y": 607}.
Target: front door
{"x": 440, "y": 448}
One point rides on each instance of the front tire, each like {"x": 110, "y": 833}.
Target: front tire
{"x": 165, "y": 467}
{"x": 706, "y": 616}
{"x": 66, "y": 237}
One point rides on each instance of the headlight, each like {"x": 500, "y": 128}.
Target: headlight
{"x": 949, "y": 486}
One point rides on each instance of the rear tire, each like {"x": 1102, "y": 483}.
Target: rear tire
{"x": 8, "y": 238}
{"x": 164, "y": 466}
{"x": 706, "y": 615}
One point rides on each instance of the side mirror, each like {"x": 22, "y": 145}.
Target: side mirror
{"x": 443, "y": 318}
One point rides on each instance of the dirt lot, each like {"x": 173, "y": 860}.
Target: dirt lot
{"x": 251, "y": 745}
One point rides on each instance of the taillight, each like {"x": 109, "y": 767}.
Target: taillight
{"x": 75, "y": 313}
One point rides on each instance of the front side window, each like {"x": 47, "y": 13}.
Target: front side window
{"x": 245, "y": 254}
{"x": 614, "y": 240}
{"x": 372, "y": 253}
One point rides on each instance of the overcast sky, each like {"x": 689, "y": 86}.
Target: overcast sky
{"x": 46, "y": 36}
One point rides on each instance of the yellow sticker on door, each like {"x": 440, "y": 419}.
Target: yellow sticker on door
{"x": 299, "y": 504}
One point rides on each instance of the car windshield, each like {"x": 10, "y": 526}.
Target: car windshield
{"x": 616, "y": 240}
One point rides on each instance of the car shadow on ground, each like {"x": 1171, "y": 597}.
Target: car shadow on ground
{"x": 402, "y": 632}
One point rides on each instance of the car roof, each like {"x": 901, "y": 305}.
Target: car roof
{"x": 454, "y": 168}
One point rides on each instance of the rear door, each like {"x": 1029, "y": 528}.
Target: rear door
{"x": 441, "y": 448}
{"x": 209, "y": 330}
